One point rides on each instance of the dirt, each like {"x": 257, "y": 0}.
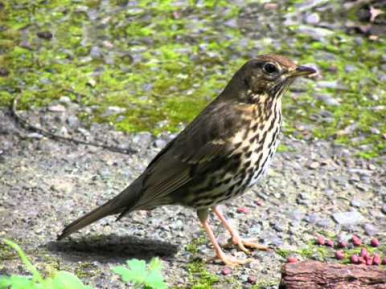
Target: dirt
{"x": 45, "y": 184}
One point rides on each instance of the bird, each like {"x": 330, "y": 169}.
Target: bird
{"x": 224, "y": 151}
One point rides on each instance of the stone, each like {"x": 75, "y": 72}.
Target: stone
{"x": 350, "y": 68}
{"x": 313, "y": 165}
{"x": 370, "y": 229}
{"x": 35, "y": 135}
{"x": 142, "y": 139}
{"x": 95, "y": 52}
{"x": 348, "y": 218}
{"x": 356, "y": 203}
{"x": 316, "y": 33}
{"x": 160, "y": 143}
{"x": 56, "y": 108}
{"x": 64, "y": 100}
{"x": 313, "y": 18}
{"x": 112, "y": 110}
{"x": 328, "y": 100}
{"x": 73, "y": 121}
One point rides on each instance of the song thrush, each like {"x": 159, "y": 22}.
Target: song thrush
{"x": 220, "y": 154}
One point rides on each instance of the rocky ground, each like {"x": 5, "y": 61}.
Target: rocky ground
{"x": 312, "y": 188}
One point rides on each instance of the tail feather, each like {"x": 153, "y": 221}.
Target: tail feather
{"x": 95, "y": 215}
{"x": 125, "y": 201}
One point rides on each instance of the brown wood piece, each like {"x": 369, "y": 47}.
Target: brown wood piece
{"x": 319, "y": 275}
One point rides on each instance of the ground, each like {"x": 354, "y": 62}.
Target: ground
{"x": 46, "y": 184}
{"x": 132, "y": 74}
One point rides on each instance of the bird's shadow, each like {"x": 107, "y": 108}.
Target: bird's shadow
{"x": 111, "y": 248}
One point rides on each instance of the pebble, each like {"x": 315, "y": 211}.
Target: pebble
{"x": 112, "y": 110}
{"x": 243, "y": 210}
{"x": 226, "y": 271}
{"x": 376, "y": 259}
{"x": 339, "y": 255}
{"x": 328, "y": 100}
{"x": 291, "y": 260}
{"x": 252, "y": 280}
{"x": 329, "y": 243}
{"x": 312, "y": 218}
{"x": 316, "y": 33}
{"x": 47, "y": 35}
{"x": 296, "y": 215}
{"x": 370, "y": 229}
{"x": 313, "y": 165}
{"x": 83, "y": 131}
{"x": 313, "y": 18}
{"x": 356, "y": 203}
{"x": 260, "y": 203}
{"x": 95, "y": 52}
{"x": 56, "y": 108}
{"x": 348, "y": 218}
{"x": 64, "y": 100}
{"x": 333, "y": 84}
{"x": 35, "y": 135}
{"x": 354, "y": 259}
{"x": 160, "y": 143}
{"x": 73, "y": 121}
{"x": 142, "y": 139}
{"x": 350, "y": 68}
{"x": 374, "y": 242}
{"x": 383, "y": 208}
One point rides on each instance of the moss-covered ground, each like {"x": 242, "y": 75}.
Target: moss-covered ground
{"x": 163, "y": 61}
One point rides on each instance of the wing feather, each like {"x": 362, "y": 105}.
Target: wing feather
{"x": 205, "y": 140}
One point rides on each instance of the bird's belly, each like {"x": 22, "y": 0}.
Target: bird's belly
{"x": 262, "y": 160}
{"x": 259, "y": 172}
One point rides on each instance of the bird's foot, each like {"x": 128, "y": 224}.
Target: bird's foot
{"x": 243, "y": 244}
{"x": 229, "y": 261}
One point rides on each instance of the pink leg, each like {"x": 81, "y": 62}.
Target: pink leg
{"x": 236, "y": 239}
{"x": 203, "y": 216}
{"x": 219, "y": 252}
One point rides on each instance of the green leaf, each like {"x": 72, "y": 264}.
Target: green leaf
{"x": 18, "y": 282}
{"x": 155, "y": 264}
{"x": 155, "y": 280}
{"x": 65, "y": 280}
{"x": 136, "y": 272}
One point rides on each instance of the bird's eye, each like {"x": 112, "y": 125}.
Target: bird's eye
{"x": 269, "y": 68}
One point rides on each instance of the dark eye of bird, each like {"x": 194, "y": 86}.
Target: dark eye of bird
{"x": 269, "y": 68}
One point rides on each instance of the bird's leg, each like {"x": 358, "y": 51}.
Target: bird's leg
{"x": 236, "y": 239}
{"x": 203, "y": 216}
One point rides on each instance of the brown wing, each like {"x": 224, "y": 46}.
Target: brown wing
{"x": 205, "y": 140}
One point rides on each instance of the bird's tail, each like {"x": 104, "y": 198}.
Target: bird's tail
{"x": 123, "y": 202}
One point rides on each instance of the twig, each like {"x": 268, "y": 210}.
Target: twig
{"x": 46, "y": 133}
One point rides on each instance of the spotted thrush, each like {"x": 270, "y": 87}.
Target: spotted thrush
{"x": 218, "y": 156}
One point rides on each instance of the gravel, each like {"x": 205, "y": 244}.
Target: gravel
{"x": 45, "y": 184}
{"x": 348, "y": 218}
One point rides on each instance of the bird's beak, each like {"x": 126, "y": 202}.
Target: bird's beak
{"x": 303, "y": 70}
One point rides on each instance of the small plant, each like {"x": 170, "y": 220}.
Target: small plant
{"x": 137, "y": 274}
{"x": 60, "y": 280}
{"x": 141, "y": 276}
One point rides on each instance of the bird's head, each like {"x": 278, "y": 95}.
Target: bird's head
{"x": 268, "y": 75}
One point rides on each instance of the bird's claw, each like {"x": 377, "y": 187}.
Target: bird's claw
{"x": 244, "y": 244}
{"x": 229, "y": 261}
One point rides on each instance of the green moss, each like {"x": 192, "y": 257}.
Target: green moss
{"x": 166, "y": 62}
{"x": 261, "y": 284}
{"x": 86, "y": 270}
{"x": 199, "y": 277}
{"x": 192, "y": 247}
